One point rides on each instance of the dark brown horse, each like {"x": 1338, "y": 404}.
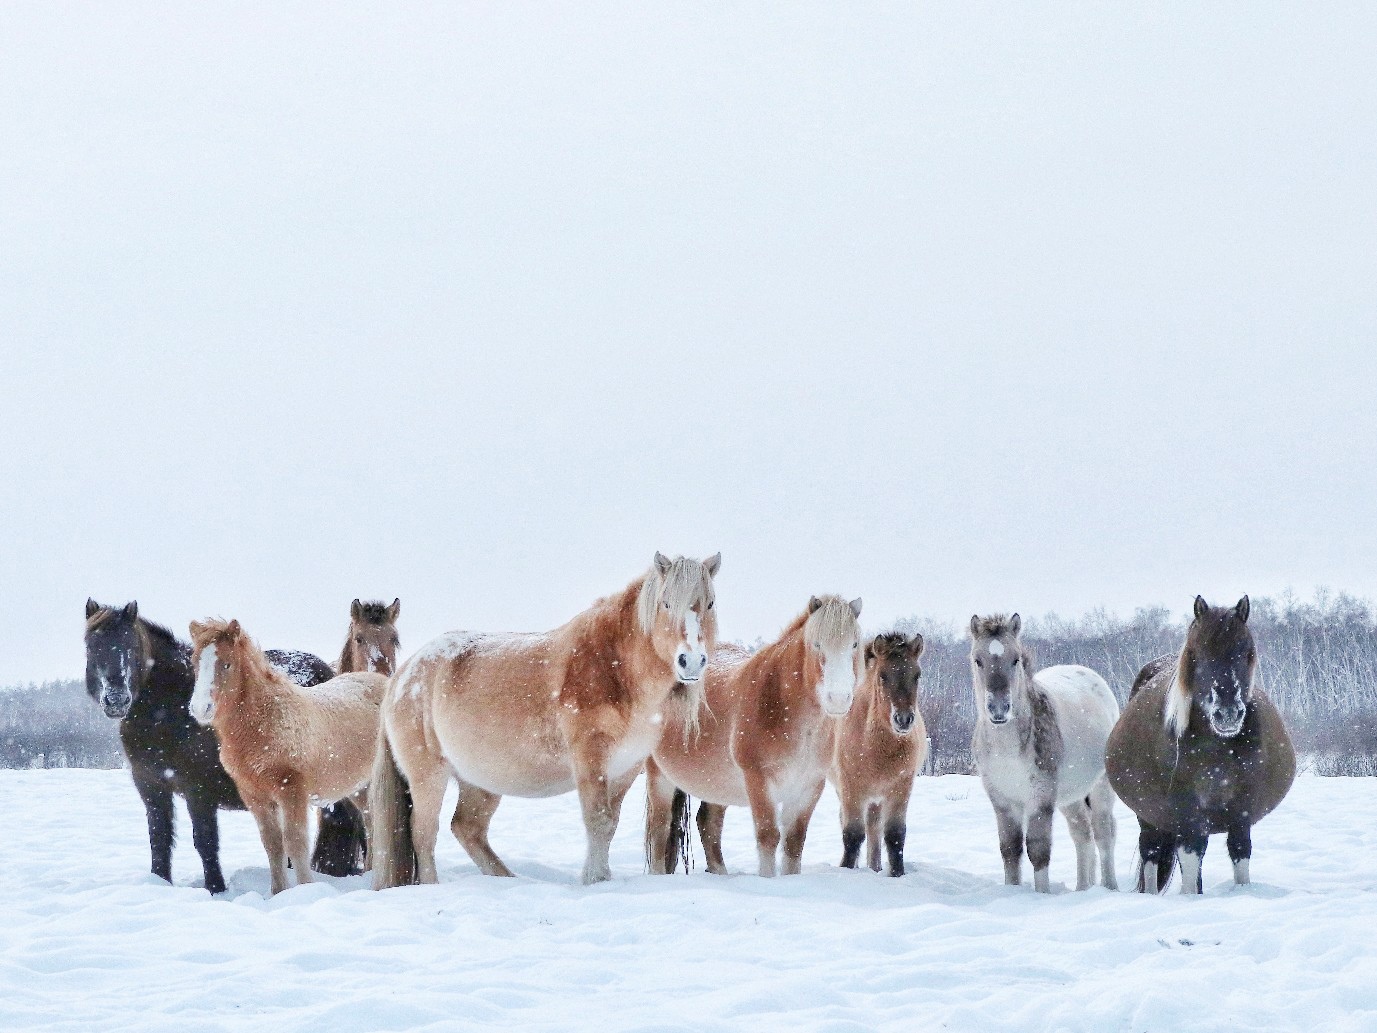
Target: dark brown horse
{"x": 371, "y": 645}
{"x": 1199, "y": 750}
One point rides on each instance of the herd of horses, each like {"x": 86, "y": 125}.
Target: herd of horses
{"x": 637, "y": 683}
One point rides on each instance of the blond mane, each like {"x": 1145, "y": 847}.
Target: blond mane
{"x": 687, "y": 583}
{"x": 831, "y": 624}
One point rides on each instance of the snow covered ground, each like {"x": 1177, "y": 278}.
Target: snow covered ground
{"x": 89, "y": 941}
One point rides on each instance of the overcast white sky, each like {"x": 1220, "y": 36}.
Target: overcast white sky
{"x": 960, "y": 307}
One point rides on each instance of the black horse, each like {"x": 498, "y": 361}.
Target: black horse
{"x": 1199, "y": 749}
{"x": 141, "y": 675}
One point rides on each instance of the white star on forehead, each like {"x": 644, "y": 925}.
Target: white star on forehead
{"x": 996, "y": 647}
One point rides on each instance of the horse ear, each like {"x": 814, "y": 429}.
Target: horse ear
{"x": 870, "y": 652}
{"x": 855, "y": 605}
{"x": 196, "y": 629}
{"x": 713, "y": 564}
{"x": 1243, "y": 609}
{"x": 394, "y": 611}
{"x": 1201, "y": 607}
{"x": 975, "y": 625}
{"x": 92, "y": 607}
{"x": 1015, "y": 624}
{"x": 131, "y": 610}
{"x": 356, "y": 610}
{"x": 814, "y": 604}
{"x": 233, "y": 630}
{"x": 662, "y": 563}
{"x": 917, "y": 645}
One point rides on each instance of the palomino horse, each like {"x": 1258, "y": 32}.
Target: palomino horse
{"x": 142, "y": 676}
{"x": 1039, "y": 744}
{"x": 579, "y": 708}
{"x": 766, "y": 740}
{"x": 371, "y": 645}
{"x": 1200, "y": 749}
{"x": 285, "y": 747}
{"x": 880, "y": 746}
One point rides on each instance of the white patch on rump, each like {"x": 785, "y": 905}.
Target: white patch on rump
{"x": 996, "y": 647}
{"x": 202, "y": 706}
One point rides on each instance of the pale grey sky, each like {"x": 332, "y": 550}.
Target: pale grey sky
{"x": 953, "y": 307}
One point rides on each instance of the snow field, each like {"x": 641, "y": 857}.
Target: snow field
{"x": 89, "y": 941}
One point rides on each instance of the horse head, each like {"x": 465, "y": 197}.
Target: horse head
{"x": 677, "y": 610}
{"x": 832, "y": 636}
{"x": 116, "y": 656}
{"x": 372, "y": 643}
{"x": 894, "y": 659}
{"x": 996, "y": 656}
{"x": 214, "y": 648}
{"x": 1214, "y": 676}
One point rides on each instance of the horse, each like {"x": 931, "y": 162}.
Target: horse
{"x": 1200, "y": 749}
{"x": 766, "y": 741}
{"x": 1039, "y": 744}
{"x": 371, "y": 645}
{"x": 576, "y": 708}
{"x": 880, "y": 746}
{"x": 284, "y": 746}
{"x": 141, "y": 675}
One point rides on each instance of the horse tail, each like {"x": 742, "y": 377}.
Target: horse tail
{"x": 389, "y": 814}
{"x": 677, "y": 847}
{"x": 342, "y": 842}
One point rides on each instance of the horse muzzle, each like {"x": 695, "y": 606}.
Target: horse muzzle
{"x": 1227, "y": 724}
{"x": 116, "y": 707}
{"x": 902, "y": 723}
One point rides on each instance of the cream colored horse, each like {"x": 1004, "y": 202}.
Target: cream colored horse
{"x": 766, "y": 741}
{"x": 577, "y": 708}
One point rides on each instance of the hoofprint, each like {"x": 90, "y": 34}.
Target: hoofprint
{"x": 765, "y": 741}
{"x": 578, "y": 708}
{"x": 1039, "y": 745}
{"x": 285, "y": 746}
{"x": 1200, "y": 750}
{"x": 880, "y": 746}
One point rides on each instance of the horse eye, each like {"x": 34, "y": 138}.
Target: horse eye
{"x": 979, "y": 662}
{"x": 712, "y": 603}
{"x": 1015, "y": 661}
{"x": 666, "y": 604}
{"x": 358, "y": 639}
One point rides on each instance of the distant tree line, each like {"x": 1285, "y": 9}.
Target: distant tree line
{"x": 56, "y": 725}
{"x": 1318, "y": 661}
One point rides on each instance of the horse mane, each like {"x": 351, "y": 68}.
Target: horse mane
{"x": 373, "y": 612}
{"x": 686, "y": 583}
{"x": 1003, "y": 624}
{"x": 832, "y": 620}
{"x": 259, "y": 667}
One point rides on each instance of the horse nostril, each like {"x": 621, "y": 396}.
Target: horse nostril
{"x": 683, "y": 660}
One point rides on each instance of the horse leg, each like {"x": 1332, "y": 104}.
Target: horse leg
{"x": 1077, "y": 815}
{"x": 1190, "y": 853}
{"x": 427, "y": 789}
{"x": 1240, "y": 843}
{"x": 1156, "y": 849}
{"x": 360, "y": 802}
{"x": 1040, "y": 844}
{"x": 599, "y": 818}
{"x": 1009, "y": 818}
{"x": 470, "y": 824}
{"x": 265, "y": 813}
{"x": 1102, "y": 826}
{"x": 895, "y": 811}
{"x": 766, "y": 822}
{"x": 852, "y": 829}
{"x": 659, "y": 808}
{"x": 296, "y": 831}
{"x": 205, "y": 834}
{"x": 157, "y": 808}
{"x": 711, "y": 817}
{"x": 797, "y": 830}
{"x": 872, "y": 836}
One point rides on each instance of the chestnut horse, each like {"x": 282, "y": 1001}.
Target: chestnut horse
{"x": 766, "y": 740}
{"x": 577, "y": 708}
{"x": 286, "y": 747}
{"x": 371, "y": 645}
{"x": 881, "y": 744}
{"x": 1200, "y": 749}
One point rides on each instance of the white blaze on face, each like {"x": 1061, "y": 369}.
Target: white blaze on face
{"x": 996, "y": 647}
{"x": 837, "y": 687}
{"x": 691, "y": 658}
{"x": 693, "y": 632}
{"x": 202, "y": 705}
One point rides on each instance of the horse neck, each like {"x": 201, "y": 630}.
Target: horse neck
{"x": 796, "y": 682}
{"x": 345, "y": 664}
{"x": 167, "y": 679}
{"x": 612, "y": 627}
{"x": 877, "y": 700}
{"x": 1023, "y": 706}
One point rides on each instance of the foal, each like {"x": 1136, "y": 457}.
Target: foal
{"x": 765, "y": 741}
{"x": 1039, "y": 744}
{"x": 880, "y": 746}
{"x": 371, "y": 645}
{"x": 286, "y": 747}
{"x": 1200, "y": 749}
